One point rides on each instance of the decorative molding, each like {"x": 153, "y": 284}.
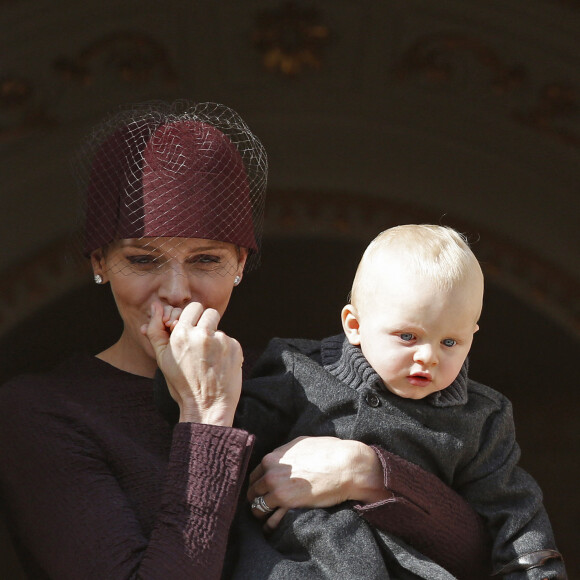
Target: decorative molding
{"x": 19, "y": 108}
{"x": 134, "y": 56}
{"x": 290, "y": 38}
{"x": 556, "y": 102}
{"x": 429, "y": 55}
{"x": 432, "y": 55}
{"x": 532, "y": 279}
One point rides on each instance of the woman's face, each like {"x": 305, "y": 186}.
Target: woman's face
{"x": 171, "y": 271}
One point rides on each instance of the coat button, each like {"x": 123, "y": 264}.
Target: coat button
{"x": 372, "y": 400}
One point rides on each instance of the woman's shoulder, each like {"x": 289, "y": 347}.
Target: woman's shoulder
{"x": 40, "y": 387}
{"x": 75, "y": 364}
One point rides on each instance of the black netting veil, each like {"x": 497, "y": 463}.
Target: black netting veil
{"x": 178, "y": 171}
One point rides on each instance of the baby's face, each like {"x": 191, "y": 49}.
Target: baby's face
{"x": 413, "y": 334}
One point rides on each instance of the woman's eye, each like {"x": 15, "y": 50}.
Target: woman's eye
{"x": 449, "y": 342}
{"x": 205, "y": 262}
{"x": 407, "y": 336}
{"x": 142, "y": 260}
{"x": 207, "y": 259}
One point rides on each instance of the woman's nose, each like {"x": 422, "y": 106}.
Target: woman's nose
{"x": 174, "y": 287}
{"x": 425, "y": 355}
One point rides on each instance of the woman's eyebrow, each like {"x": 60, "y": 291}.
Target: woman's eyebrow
{"x": 142, "y": 246}
{"x": 205, "y": 248}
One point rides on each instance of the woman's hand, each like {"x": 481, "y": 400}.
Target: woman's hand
{"x": 201, "y": 364}
{"x": 316, "y": 472}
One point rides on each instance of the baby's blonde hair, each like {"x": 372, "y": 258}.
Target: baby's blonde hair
{"x": 437, "y": 253}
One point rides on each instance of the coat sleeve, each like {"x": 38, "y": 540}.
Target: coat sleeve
{"x": 431, "y": 517}
{"x": 510, "y": 501}
{"x": 67, "y": 504}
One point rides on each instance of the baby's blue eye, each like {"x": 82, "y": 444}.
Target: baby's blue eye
{"x": 449, "y": 342}
{"x": 407, "y": 336}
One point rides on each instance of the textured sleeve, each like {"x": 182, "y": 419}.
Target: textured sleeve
{"x": 431, "y": 517}
{"x": 206, "y": 470}
{"x": 510, "y": 501}
{"x": 68, "y": 502}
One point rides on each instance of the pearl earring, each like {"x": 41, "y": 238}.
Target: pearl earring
{"x": 237, "y": 280}
{"x": 98, "y": 279}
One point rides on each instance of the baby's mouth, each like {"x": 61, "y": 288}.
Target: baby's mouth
{"x": 420, "y": 379}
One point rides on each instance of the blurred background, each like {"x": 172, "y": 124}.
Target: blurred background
{"x": 373, "y": 113}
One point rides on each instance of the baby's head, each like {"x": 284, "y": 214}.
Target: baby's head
{"x": 415, "y": 303}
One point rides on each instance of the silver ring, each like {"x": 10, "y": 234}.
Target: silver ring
{"x": 260, "y": 504}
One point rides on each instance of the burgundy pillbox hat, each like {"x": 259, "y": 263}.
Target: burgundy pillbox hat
{"x": 176, "y": 175}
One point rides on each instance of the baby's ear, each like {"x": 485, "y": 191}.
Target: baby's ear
{"x": 350, "y": 324}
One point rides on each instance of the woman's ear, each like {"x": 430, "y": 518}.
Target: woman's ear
{"x": 351, "y": 324}
{"x": 98, "y": 264}
{"x": 242, "y": 257}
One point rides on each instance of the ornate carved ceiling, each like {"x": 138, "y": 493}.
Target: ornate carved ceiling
{"x": 319, "y": 43}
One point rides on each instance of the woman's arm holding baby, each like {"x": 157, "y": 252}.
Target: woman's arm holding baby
{"x": 391, "y": 493}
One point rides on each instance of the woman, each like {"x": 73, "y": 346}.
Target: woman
{"x": 95, "y": 481}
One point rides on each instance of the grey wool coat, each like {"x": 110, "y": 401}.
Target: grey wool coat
{"x": 464, "y": 435}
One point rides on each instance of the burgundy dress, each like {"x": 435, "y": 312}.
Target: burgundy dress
{"x": 97, "y": 483}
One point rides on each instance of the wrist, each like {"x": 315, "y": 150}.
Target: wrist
{"x": 367, "y": 483}
{"x": 218, "y": 414}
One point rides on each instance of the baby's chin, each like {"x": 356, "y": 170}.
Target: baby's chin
{"x": 414, "y": 393}
{"x": 412, "y": 396}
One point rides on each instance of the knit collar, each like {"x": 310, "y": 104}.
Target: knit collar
{"x": 348, "y": 364}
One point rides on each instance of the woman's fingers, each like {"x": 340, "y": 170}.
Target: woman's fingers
{"x": 272, "y": 522}
{"x": 156, "y": 330}
{"x": 170, "y": 316}
{"x": 272, "y": 518}
{"x": 192, "y": 313}
{"x": 202, "y": 365}
{"x": 263, "y": 505}
{"x": 209, "y": 320}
